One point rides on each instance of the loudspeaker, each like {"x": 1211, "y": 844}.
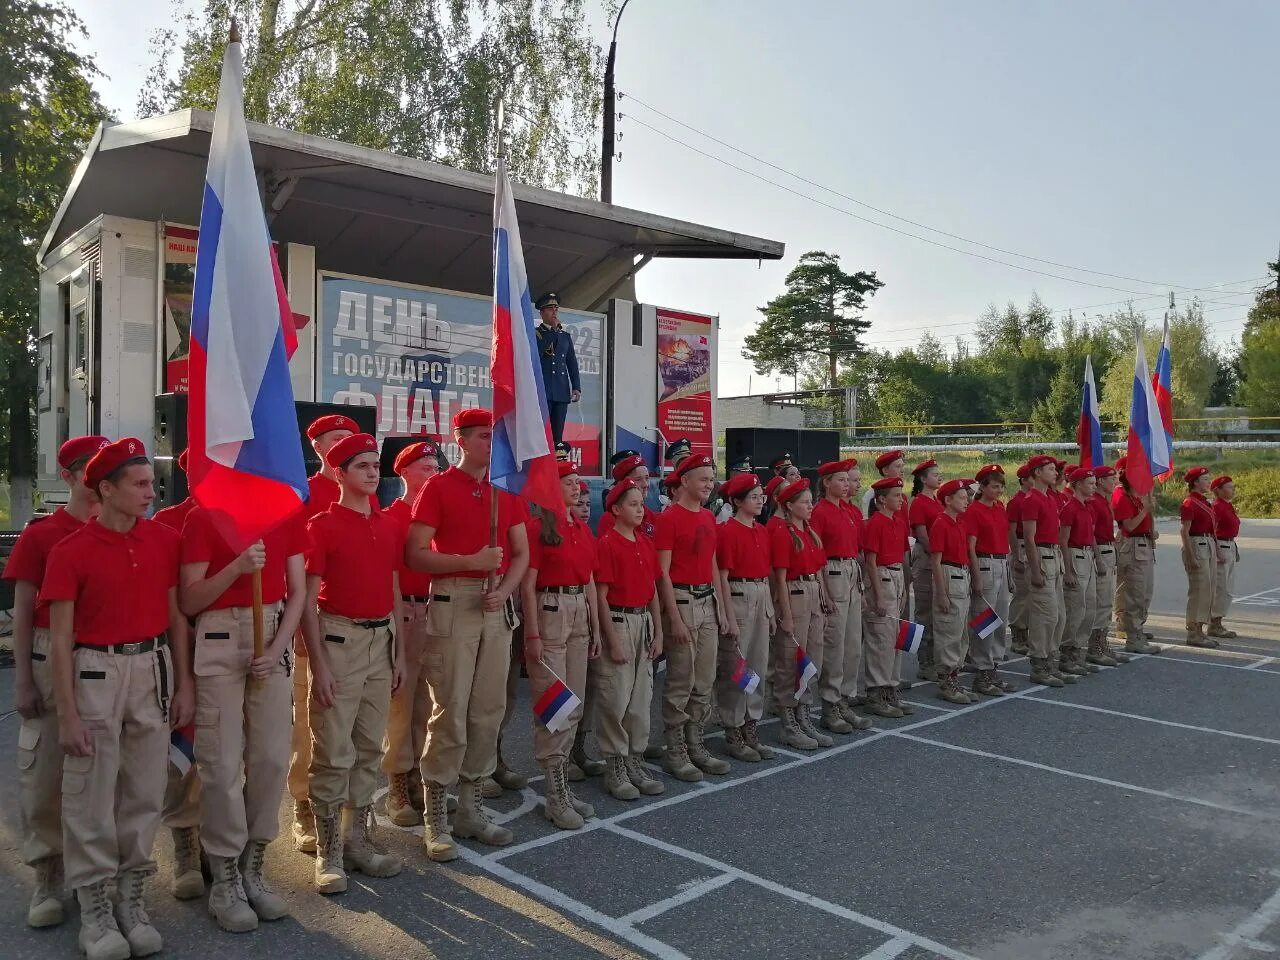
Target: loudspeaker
{"x": 817, "y": 446}
{"x": 170, "y": 483}
{"x": 308, "y": 411}
{"x": 760, "y": 444}
{"x": 171, "y": 425}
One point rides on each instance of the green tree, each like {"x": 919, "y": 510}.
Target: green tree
{"x": 421, "y": 78}
{"x": 1014, "y": 359}
{"x": 1260, "y": 352}
{"x": 1056, "y": 415}
{"x": 48, "y": 111}
{"x": 819, "y": 314}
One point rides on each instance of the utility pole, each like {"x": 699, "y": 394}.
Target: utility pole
{"x": 606, "y": 143}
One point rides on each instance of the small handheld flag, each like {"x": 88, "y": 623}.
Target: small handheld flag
{"x": 744, "y": 677}
{"x": 806, "y": 672}
{"x": 985, "y": 623}
{"x": 182, "y": 749}
{"x": 660, "y": 664}
{"x": 556, "y": 706}
{"x": 910, "y": 636}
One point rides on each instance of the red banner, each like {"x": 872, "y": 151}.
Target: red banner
{"x": 684, "y": 379}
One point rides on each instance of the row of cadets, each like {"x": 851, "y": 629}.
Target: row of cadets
{"x": 990, "y": 575}
{"x": 884, "y": 544}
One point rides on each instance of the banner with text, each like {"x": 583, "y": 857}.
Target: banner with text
{"x": 419, "y": 355}
{"x": 179, "y": 282}
{"x": 684, "y": 378}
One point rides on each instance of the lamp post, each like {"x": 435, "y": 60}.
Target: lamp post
{"x": 606, "y": 144}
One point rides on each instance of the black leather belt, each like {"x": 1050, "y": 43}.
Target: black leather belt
{"x": 891, "y": 566}
{"x": 829, "y": 559}
{"x": 1202, "y": 537}
{"x": 993, "y": 556}
{"x": 615, "y": 609}
{"x": 415, "y": 598}
{"x": 697, "y": 590}
{"x": 1138, "y": 536}
{"x": 571, "y": 590}
{"x": 1106, "y": 548}
{"x": 806, "y": 576}
{"x": 1226, "y": 543}
{"x": 373, "y": 624}
{"x": 125, "y": 649}
{"x": 748, "y": 579}
{"x": 951, "y": 563}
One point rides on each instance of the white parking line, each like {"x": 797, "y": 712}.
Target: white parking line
{"x": 1255, "y": 596}
{"x": 1167, "y": 658}
{"x": 1261, "y": 663}
{"x": 889, "y": 949}
{"x": 688, "y": 894}
{"x": 1246, "y": 933}
{"x": 1165, "y": 723}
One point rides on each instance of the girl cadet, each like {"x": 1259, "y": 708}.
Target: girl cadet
{"x": 561, "y": 634}
{"x": 353, "y": 592}
{"x": 853, "y": 686}
{"x": 987, "y": 529}
{"x": 244, "y": 705}
{"x": 949, "y": 563}
{"x": 1104, "y": 535}
{"x": 1135, "y": 564}
{"x": 839, "y": 525}
{"x": 924, "y": 509}
{"x": 1227, "y": 524}
{"x": 742, "y": 553}
{"x": 626, "y": 581}
{"x": 800, "y": 599}
{"x": 1018, "y": 565}
{"x": 1199, "y": 555}
{"x": 119, "y": 682}
{"x": 1078, "y": 544}
{"x": 884, "y": 546}
{"x": 1040, "y": 524}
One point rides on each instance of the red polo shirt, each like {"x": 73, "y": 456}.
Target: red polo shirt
{"x": 1013, "y": 512}
{"x": 1104, "y": 523}
{"x": 886, "y": 537}
{"x": 202, "y": 543}
{"x": 119, "y": 582}
{"x": 1224, "y": 513}
{"x": 950, "y": 538}
{"x": 742, "y": 550}
{"x": 324, "y": 492}
{"x": 174, "y": 517}
{"x": 799, "y": 560}
{"x": 571, "y": 563}
{"x": 456, "y": 505}
{"x": 629, "y": 567}
{"x": 924, "y": 510}
{"x": 30, "y": 554}
{"x": 840, "y": 527}
{"x": 989, "y": 526}
{"x": 1078, "y": 518}
{"x": 648, "y": 526}
{"x": 1042, "y": 509}
{"x": 1126, "y": 507}
{"x": 1197, "y": 509}
{"x": 690, "y": 535}
{"x": 355, "y": 555}
{"x": 413, "y": 583}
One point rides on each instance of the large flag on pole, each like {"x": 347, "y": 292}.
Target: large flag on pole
{"x": 1162, "y": 386}
{"x": 245, "y": 461}
{"x": 1148, "y": 453}
{"x": 523, "y": 461}
{"x": 1089, "y": 432}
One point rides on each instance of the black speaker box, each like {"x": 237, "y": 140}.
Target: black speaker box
{"x": 170, "y": 437}
{"x": 760, "y": 444}
{"x": 170, "y": 482}
{"x": 817, "y": 447}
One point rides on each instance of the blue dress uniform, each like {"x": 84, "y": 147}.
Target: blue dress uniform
{"x": 559, "y": 367}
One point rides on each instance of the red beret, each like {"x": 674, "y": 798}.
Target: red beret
{"x": 772, "y": 486}
{"x": 472, "y": 417}
{"x": 988, "y": 470}
{"x": 1060, "y": 464}
{"x": 887, "y": 483}
{"x": 836, "y": 466}
{"x": 1120, "y": 463}
{"x": 565, "y": 467}
{"x": 888, "y": 457}
{"x": 1104, "y": 471}
{"x": 1024, "y": 471}
{"x": 793, "y": 490}
{"x": 953, "y": 486}
{"x": 349, "y": 448}
{"x": 1079, "y": 473}
{"x": 1219, "y": 482}
{"x": 583, "y": 487}
{"x": 333, "y": 421}
{"x": 739, "y": 486}
{"x": 1038, "y": 461}
{"x": 111, "y": 457}
{"x": 1195, "y": 473}
{"x": 618, "y": 489}
{"x": 692, "y": 463}
{"x": 77, "y": 448}
{"x": 623, "y": 467}
{"x": 413, "y": 453}
{"x": 670, "y": 480}
{"x": 924, "y": 465}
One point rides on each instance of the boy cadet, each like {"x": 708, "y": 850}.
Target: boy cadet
{"x": 1078, "y": 545}
{"x": 949, "y": 569}
{"x": 416, "y": 464}
{"x": 628, "y": 465}
{"x": 884, "y": 546}
{"x": 987, "y": 532}
{"x": 243, "y": 704}
{"x": 353, "y": 593}
{"x": 39, "y": 755}
{"x": 1044, "y": 571}
{"x": 1018, "y": 564}
{"x": 1135, "y": 564}
{"x": 1104, "y": 535}
{"x": 119, "y": 683}
{"x": 692, "y": 616}
{"x": 1199, "y": 555}
{"x": 1228, "y": 553}
{"x": 469, "y": 625}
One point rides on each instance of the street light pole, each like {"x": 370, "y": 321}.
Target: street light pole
{"x": 606, "y": 144}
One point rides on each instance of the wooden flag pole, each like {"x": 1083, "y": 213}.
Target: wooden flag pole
{"x": 257, "y": 617}
{"x": 493, "y": 535}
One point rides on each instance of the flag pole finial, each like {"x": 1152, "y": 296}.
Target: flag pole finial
{"x": 234, "y": 33}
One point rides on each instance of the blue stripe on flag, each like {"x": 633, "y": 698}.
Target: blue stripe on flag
{"x": 206, "y": 257}
{"x": 273, "y": 452}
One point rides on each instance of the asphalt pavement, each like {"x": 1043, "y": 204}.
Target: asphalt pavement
{"x": 1133, "y": 815}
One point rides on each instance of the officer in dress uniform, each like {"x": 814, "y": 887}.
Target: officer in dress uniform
{"x": 559, "y": 363}
{"x": 39, "y": 756}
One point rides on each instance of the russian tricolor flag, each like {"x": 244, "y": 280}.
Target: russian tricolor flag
{"x": 1089, "y": 432}
{"x": 910, "y": 636}
{"x": 806, "y": 672}
{"x": 744, "y": 678}
{"x": 523, "y": 461}
{"x": 1148, "y": 455}
{"x": 985, "y": 623}
{"x": 245, "y": 462}
{"x": 556, "y": 706}
{"x": 1162, "y": 387}
{"x": 182, "y": 748}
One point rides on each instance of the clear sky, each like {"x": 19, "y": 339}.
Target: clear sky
{"x": 1135, "y": 138}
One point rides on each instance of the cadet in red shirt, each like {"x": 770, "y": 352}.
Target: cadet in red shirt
{"x": 629, "y": 465}
{"x": 1078, "y": 545}
{"x": 626, "y": 581}
{"x": 924, "y": 509}
{"x": 949, "y": 563}
{"x": 353, "y": 597}
{"x": 561, "y": 630}
{"x": 324, "y": 485}
{"x": 1199, "y": 555}
{"x": 1104, "y": 535}
{"x": 986, "y": 527}
{"x": 39, "y": 755}
{"x": 694, "y": 615}
{"x": 415, "y": 465}
{"x": 1018, "y": 565}
{"x": 122, "y": 676}
{"x": 839, "y": 525}
{"x": 1135, "y": 564}
{"x": 1046, "y": 620}
{"x": 801, "y": 600}
{"x": 884, "y": 546}
{"x": 742, "y": 555}
{"x": 175, "y": 516}
{"x": 469, "y": 627}
{"x": 1227, "y": 525}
